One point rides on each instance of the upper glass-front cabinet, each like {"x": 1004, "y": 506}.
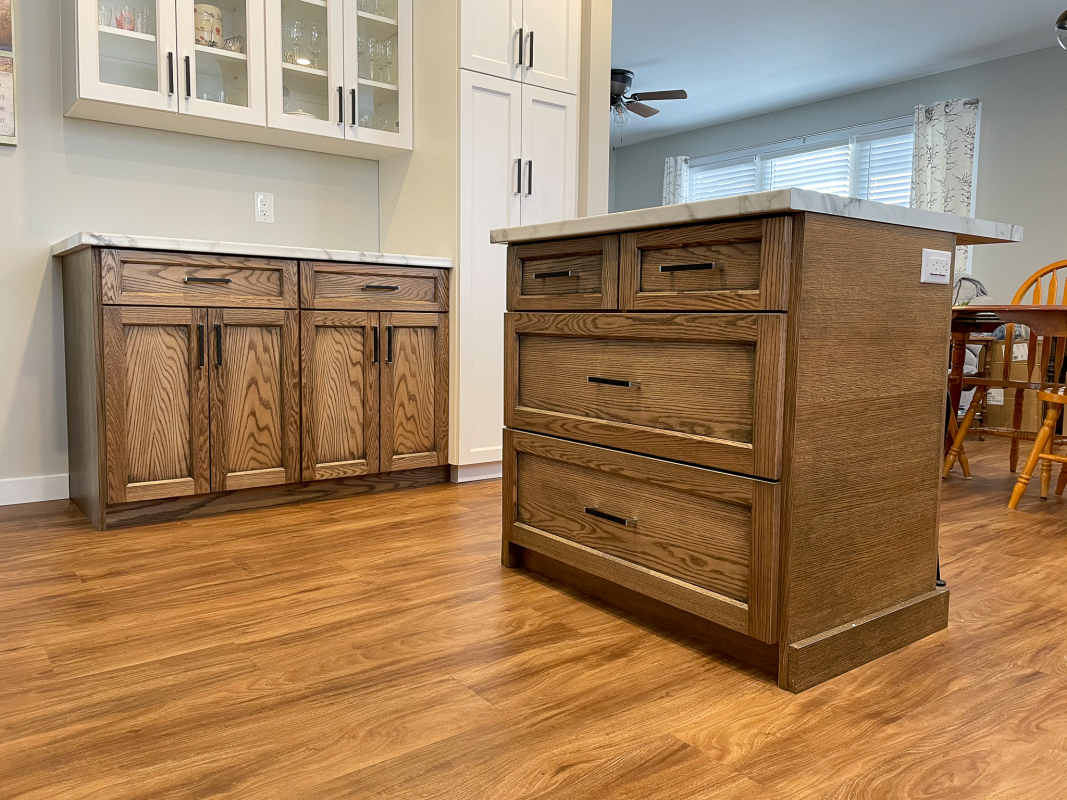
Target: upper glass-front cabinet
{"x": 328, "y": 75}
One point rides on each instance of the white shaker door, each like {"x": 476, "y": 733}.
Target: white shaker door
{"x": 549, "y": 156}
{"x": 490, "y": 39}
{"x": 552, "y": 44}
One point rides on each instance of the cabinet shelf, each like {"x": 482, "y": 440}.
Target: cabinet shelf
{"x": 305, "y": 70}
{"x": 140, "y": 37}
{"x": 377, "y": 84}
{"x": 321, "y": 3}
{"x": 218, "y": 51}
{"x": 375, "y": 18}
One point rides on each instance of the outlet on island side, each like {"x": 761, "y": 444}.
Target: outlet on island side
{"x": 264, "y": 207}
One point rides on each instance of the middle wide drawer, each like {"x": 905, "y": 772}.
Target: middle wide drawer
{"x": 703, "y": 389}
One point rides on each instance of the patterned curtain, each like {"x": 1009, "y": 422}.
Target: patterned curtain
{"x": 944, "y": 162}
{"x": 676, "y": 180}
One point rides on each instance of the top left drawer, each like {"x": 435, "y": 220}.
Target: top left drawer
{"x": 134, "y": 277}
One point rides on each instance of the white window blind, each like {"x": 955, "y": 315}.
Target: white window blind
{"x": 872, "y": 162}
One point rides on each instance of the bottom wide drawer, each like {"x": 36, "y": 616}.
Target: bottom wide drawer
{"x": 695, "y": 538}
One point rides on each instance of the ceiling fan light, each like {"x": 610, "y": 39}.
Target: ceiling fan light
{"x": 622, "y": 115}
{"x": 1061, "y": 30}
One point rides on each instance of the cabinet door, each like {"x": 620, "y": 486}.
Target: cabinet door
{"x": 255, "y": 402}
{"x": 125, "y": 60}
{"x": 340, "y": 352}
{"x": 305, "y": 66}
{"x": 414, "y": 409}
{"x": 220, "y": 52}
{"x": 549, "y": 156}
{"x": 490, "y": 38}
{"x": 378, "y": 72}
{"x": 156, "y": 403}
{"x": 490, "y": 150}
{"x": 552, "y": 43}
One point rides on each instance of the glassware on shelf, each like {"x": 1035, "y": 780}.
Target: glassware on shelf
{"x": 105, "y": 16}
{"x": 370, "y": 6}
{"x": 296, "y": 37}
{"x": 235, "y": 44}
{"x": 207, "y": 21}
{"x": 144, "y": 20}
{"x": 389, "y": 58}
{"x": 314, "y": 45}
{"x": 366, "y": 64}
{"x": 386, "y": 8}
{"x": 125, "y": 18}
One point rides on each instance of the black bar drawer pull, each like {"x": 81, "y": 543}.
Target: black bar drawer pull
{"x": 376, "y": 353}
{"x": 690, "y": 267}
{"x": 200, "y": 339}
{"x": 613, "y": 382}
{"x": 170, "y": 74}
{"x": 218, "y": 345}
{"x": 563, "y": 273}
{"x": 188, "y": 78}
{"x": 206, "y": 280}
{"x": 389, "y": 344}
{"x": 370, "y": 287}
{"x": 596, "y": 512}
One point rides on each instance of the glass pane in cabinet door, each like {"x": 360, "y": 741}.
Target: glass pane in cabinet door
{"x": 306, "y": 90}
{"x": 220, "y": 51}
{"x": 129, "y": 55}
{"x": 378, "y": 54}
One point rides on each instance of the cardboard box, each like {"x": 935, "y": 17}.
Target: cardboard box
{"x": 1000, "y": 416}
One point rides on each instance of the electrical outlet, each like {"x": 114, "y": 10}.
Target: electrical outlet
{"x": 264, "y": 207}
{"x": 937, "y": 266}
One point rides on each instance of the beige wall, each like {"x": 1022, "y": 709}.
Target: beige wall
{"x": 71, "y": 175}
{"x": 595, "y": 120}
{"x": 1024, "y": 116}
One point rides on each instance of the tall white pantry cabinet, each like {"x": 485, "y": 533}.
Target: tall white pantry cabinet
{"x": 518, "y": 165}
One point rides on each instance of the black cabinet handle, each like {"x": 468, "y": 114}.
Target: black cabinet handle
{"x": 200, "y": 339}
{"x": 340, "y": 105}
{"x": 188, "y": 78}
{"x": 563, "y": 273}
{"x": 372, "y": 287}
{"x": 355, "y": 109}
{"x": 170, "y": 74}
{"x": 374, "y": 328}
{"x": 218, "y": 345}
{"x": 529, "y": 63}
{"x": 194, "y": 279}
{"x": 522, "y": 47}
{"x": 529, "y": 178}
{"x": 690, "y": 267}
{"x": 613, "y": 382}
{"x": 596, "y": 512}
{"x": 389, "y": 345}
{"x": 518, "y": 176}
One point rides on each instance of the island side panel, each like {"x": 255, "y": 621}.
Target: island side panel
{"x": 863, "y": 437}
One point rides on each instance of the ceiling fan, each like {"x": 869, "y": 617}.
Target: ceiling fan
{"x": 622, "y": 101}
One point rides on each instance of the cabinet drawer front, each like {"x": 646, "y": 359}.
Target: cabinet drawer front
{"x": 571, "y": 274}
{"x": 360, "y": 287}
{"x": 713, "y": 532}
{"x": 699, "y": 388}
{"x": 180, "y": 279}
{"x": 733, "y": 266}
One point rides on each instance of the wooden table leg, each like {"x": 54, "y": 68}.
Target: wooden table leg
{"x": 957, "y": 361}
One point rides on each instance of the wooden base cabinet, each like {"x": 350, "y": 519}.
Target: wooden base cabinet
{"x": 190, "y": 397}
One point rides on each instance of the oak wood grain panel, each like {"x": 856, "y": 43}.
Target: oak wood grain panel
{"x": 769, "y": 394}
{"x": 414, "y": 390}
{"x": 861, "y": 540}
{"x": 83, "y": 359}
{"x": 256, "y": 477}
{"x": 831, "y": 653}
{"x": 351, "y": 287}
{"x": 776, "y": 263}
{"x": 339, "y": 394}
{"x": 763, "y": 563}
{"x": 156, "y": 490}
{"x": 655, "y": 327}
{"x": 115, "y": 404}
{"x": 693, "y": 599}
{"x": 163, "y": 279}
{"x": 510, "y": 554}
{"x": 255, "y": 396}
{"x": 595, "y": 259}
{"x": 705, "y": 543}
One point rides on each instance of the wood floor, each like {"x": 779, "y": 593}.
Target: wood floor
{"x": 374, "y": 648}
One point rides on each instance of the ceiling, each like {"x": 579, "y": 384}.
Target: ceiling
{"x": 739, "y": 58}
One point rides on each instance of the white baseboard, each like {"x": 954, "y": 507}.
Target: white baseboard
{"x": 477, "y": 472}
{"x": 34, "y": 490}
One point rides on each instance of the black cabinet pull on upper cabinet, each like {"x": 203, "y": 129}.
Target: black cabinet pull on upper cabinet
{"x": 188, "y": 78}
{"x": 522, "y": 48}
{"x": 170, "y": 74}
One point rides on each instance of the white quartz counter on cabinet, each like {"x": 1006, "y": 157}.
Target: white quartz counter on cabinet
{"x": 82, "y": 240}
{"x": 778, "y": 201}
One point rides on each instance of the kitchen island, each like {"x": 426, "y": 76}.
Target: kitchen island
{"x": 727, "y": 417}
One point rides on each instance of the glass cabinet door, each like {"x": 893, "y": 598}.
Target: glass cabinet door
{"x": 377, "y": 66}
{"x": 305, "y": 66}
{"x": 126, "y": 52}
{"x": 221, "y": 62}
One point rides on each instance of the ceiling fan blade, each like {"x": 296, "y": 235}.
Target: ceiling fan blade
{"x": 641, "y": 109}
{"x": 673, "y": 94}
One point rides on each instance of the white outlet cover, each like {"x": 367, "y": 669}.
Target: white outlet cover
{"x": 264, "y": 207}
{"x": 937, "y": 266}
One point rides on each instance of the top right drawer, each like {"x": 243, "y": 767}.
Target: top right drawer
{"x": 731, "y": 266}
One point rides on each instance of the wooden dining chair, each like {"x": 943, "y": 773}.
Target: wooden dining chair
{"x": 1043, "y": 451}
{"x": 1042, "y": 352}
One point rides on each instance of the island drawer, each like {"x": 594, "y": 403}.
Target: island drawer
{"x": 364, "y": 287}
{"x": 691, "y": 535}
{"x": 700, "y": 388}
{"x": 573, "y": 274}
{"x": 141, "y": 278}
{"x": 731, "y": 266}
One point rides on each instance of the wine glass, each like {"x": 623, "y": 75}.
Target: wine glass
{"x": 389, "y": 54}
{"x": 294, "y": 34}
{"x": 314, "y": 45}
{"x": 372, "y": 48}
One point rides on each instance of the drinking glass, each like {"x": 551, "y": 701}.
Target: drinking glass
{"x": 105, "y": 17}
{"x": 370, "y": 6}
{"x": 125, "y": 18}
{"x": 372, "y": 48}
{"x": 314, "y": 45}
{"x": 295, "y": 37}
{"x": 144, "y": 20}
{"x": 389, "y": 56}
{"x": 387, "y": 8}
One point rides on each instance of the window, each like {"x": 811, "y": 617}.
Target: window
{"x": 871, "y": 162}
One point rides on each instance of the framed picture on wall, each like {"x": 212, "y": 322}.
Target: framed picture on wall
{"x": 8, "y": 129}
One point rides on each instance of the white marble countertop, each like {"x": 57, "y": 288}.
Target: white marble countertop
{"x": 968, "y": 231}
{"x": 82, "y": 240}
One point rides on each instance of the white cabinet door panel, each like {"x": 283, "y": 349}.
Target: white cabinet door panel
{"x": 552, "y": 43}
{"x": 490, "y": 148}
{"x": 489, "y": 37}
{"x": 549, "y": 155}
